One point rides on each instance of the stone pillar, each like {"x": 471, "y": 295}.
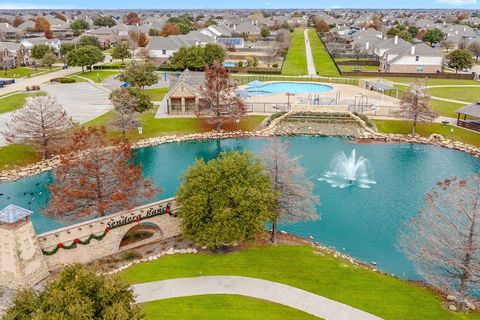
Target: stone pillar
{"x": 22, "y": 262}
{"x": 183, "y": 104}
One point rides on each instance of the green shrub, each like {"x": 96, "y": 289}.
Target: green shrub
{"x": 63, "y": 80}
{"x": 131, "y": 255}
{"x": 366, "y": 119}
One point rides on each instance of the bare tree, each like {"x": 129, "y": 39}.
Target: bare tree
{"x": 296, "y": 201}
{"x": 475, "y": 48}
{"x": 463, "y": 44}
{"x": 124, "y": 105}
{"x": 447, "y": 45}
{"x": 415, "y": 105}
{"x": 218, "y": 104}
{"x": 42, "y": 123}
{"x": 272, "y": 52}
{"x": 284, "y": 38}
{"x": 443, "y": 241}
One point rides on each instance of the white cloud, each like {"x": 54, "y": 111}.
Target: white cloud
{"x": 458, "y": 2}
{"x": 336, "y": 7}
{"x": 20, "y": 6}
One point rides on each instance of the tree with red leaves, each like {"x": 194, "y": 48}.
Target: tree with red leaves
{"x": 18, "y": 20}
{"x": 218, "y": 104}
{"x": 139, "y": 38}
{"x": 132, "y": 18}
{"x": 322, "y": 26}
{"x": 41, "y": 24}
{"x": 48, "y": 34}
{"x": 97, "y": 177}
{"x": 142, "y": 40}
{"x": 170, "y": 29}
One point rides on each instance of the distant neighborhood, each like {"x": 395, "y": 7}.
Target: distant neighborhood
{"x": 386, "y": 41}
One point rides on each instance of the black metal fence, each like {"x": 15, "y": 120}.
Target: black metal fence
{"x": 265, "y": 77}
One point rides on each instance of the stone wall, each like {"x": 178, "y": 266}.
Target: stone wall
{"x": 118, "y": 225}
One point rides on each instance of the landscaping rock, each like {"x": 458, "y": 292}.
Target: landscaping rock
{"x": 451, "y": 298}
{"x": 452, "y": 307}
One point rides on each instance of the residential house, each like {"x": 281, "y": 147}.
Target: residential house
{"x": 28, "y": 43}
{"x": 7, "y": 31}
{"x": 160, "y": 49}
{"x": 217, "y": 31}
{"x": 393, "y": 46}
{"x": 27, "y": 26}
{"x": 366, "y": 40}
{"x": 246, "y": 28}
{"x": 105, "y": 35}
{"x": 13, "y": 54}
{"x": 417, "y": 58}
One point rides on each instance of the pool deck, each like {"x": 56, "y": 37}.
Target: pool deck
{"x": 346, "y": 93}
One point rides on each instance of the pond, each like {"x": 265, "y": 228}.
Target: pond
{"x": 362, "y": 222}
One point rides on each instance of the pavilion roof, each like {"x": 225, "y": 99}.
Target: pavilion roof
{"x": 472, "y": 110}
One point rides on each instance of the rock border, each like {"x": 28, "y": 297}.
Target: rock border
{"x": 369, "y": 135}
{"x": 167, "y": 252}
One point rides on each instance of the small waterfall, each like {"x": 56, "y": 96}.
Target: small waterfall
{"x": 348, "y": 171}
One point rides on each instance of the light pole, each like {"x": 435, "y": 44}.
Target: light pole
{"x": 288, "y": 99}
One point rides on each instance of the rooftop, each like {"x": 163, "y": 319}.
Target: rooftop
{"x": 12, "y": 213}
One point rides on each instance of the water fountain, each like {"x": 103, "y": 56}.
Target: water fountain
{"x": 347, "y": 171}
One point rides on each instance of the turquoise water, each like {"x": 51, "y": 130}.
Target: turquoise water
{"x": 291, "y": 87}
{"x": 363, "y": 223}
{"x": 230, "y": 64}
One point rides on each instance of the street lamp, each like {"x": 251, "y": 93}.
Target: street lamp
{"x": 288, "y": 94}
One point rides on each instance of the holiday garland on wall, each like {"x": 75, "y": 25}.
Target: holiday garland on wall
{"x": 100, "y": 237}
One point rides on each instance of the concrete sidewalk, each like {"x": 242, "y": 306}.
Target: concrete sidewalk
{"x": 308, "y": 50}
{"x": 251, "y": 287}
{"x": 21, "y": 83}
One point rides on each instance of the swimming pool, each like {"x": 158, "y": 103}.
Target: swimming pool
{"x": 229, "y": 64}
{"x": 291, "y": 87}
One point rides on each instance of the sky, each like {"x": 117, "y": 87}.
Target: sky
{"x": 225, "y": 4}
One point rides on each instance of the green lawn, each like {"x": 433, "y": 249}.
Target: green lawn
{"x": 426, "y": 129}
{"x": 445, "y": 108}
{"x": 156, "y": 94}
{"x": 153, "y": 127}
{"x": 78, "y": 79}
{"x": 17, "y": 155}
{"x": 324, "y": 64}
{"x": 98, "y": 75}
{"x": 466, "y": 94}
{"x": 20, "y": 72}
{"x": 116, "y": 64}
{"x": 432, "y": 82}
{"x": 350, "y": 68}
{"x": 225, "y": 307}
{"x": 296, "y": 60}
{"x": 298, "y": 266}
{"x": 16, "y": 101}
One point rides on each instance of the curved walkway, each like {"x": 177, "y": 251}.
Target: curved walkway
{"x": 251, "y": 287}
